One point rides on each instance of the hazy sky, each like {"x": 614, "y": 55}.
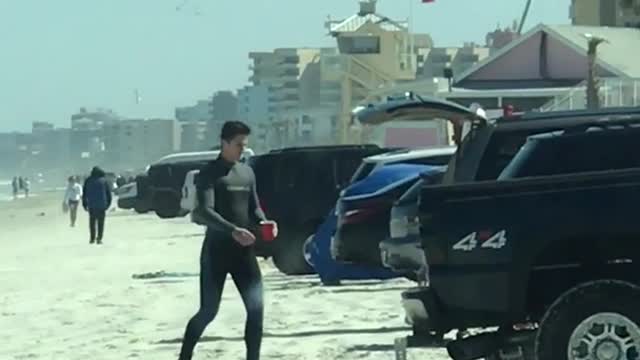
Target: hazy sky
{"x": 59, "y": 55}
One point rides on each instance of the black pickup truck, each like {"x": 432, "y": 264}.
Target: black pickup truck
{"x": 553, "y": 244}
{"x": 487, "y": 149}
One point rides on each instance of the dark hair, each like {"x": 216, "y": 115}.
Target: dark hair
{"x": 231, "y": 129}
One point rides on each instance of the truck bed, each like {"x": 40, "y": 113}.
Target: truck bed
{"x": 498, "y": 236}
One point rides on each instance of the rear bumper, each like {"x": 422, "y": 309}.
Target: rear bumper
{"x": 402, "y": 255}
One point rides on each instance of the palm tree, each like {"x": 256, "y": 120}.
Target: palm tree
{"x": 593, "y": 85}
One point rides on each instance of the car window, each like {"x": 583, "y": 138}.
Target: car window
{"x": 290, "y": 172}
{"x": 345, "y": 168}
{"x": 499, "y": 153}
{"x": 264, "y": 168}
{"x": 598, "y": 151}
{"x": 363, "y": 171}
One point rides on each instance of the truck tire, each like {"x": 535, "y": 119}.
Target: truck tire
{"x": 140, "y": 208}
{"x": 596, "y": 320}
{"x": 166, "y": 204}
{"x": 289, "y": 255}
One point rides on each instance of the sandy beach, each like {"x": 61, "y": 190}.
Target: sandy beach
{"x": 64, "y": 299}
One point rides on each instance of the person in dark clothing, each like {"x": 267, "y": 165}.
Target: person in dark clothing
{"x": 96, "y": 199}
{"x": 228, "y": 205}
{"x": 16, "y": 187}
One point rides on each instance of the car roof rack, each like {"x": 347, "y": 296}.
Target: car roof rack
{"x": 568, "y": 118}
{"x": 569, "y": 114}
{"x": 606, "y": 124}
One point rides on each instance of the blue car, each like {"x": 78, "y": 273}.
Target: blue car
{"x": 387, "y": 182}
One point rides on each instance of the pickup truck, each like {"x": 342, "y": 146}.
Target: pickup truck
{"x": 483, "y": 153}
{"x": 552, "y": 244}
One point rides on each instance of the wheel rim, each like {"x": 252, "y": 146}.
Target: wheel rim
{"x": 306, "y": 250}
{"x": 605, "y": 336}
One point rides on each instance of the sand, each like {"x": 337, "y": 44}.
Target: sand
{"x": 64, "y": 299}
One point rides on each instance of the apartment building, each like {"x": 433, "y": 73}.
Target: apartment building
{"x": 457, "y": 59}
{"x": 201, "y": 111}
{"x": 280, "y": 71}
{"x": 193, "y": 136}
{"x": 133, "y": 143}
{"x": 223, "y": 107}
{"x": 620, "y": 13}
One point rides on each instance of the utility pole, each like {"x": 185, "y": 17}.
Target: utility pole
{"x": 524, "y": 16}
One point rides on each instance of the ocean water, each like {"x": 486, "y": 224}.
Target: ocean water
{"x": 5, "y": 190}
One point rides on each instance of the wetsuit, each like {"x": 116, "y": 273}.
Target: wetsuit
{"x": 227, "y": 199}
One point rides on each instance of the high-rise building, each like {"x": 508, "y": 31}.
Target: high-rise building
{"x": 133, "y": 143}
{"x": 201, "y": 111}
{"x": 223, "y": 107}
{"x": 280, "y": 71}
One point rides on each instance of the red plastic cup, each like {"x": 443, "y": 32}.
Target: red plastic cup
{"x": 268, "y": 230}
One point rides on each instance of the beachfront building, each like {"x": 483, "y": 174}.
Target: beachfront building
{"x": 87, "y": 137}
{"x": 253, "y": 108}
{"x": 544, "y": 69}
{"x": 373, "y": 51}
{"x": 622, "y": 13}
{"x": 193, "y": 123}
{"x": 222, "y": 107}
{"x": 437, "y": 60}
{"x": 284, "y": 81}
{"x": 133, "y": 143}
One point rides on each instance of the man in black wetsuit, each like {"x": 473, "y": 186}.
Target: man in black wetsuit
{"x": 227, "y": 204}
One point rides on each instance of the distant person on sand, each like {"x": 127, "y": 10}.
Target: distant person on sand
{"x": 16, "y": 187}
{"x": 227, "y": 204}
{"x": 72, "y": 198}
{"x": 26, "y": 186}
{"x": 96, "y": 199}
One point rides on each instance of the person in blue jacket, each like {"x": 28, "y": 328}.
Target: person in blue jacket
{"x": 96, "y": 199}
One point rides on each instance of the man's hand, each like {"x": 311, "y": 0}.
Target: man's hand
{"x": 243, "y": 236}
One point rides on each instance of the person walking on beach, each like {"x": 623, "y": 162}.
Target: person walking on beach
{"x": 16, "y": 187}
{"x": 26, "y": 186}
{"x": 228, "y": 205}
{"x": 72, "y": 197}
{"x": 96, "y": 199}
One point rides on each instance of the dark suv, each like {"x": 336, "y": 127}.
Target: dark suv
{"x": 297, "y": 188}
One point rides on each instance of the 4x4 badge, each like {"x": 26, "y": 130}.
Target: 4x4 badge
{"x": 470, "y": 242}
